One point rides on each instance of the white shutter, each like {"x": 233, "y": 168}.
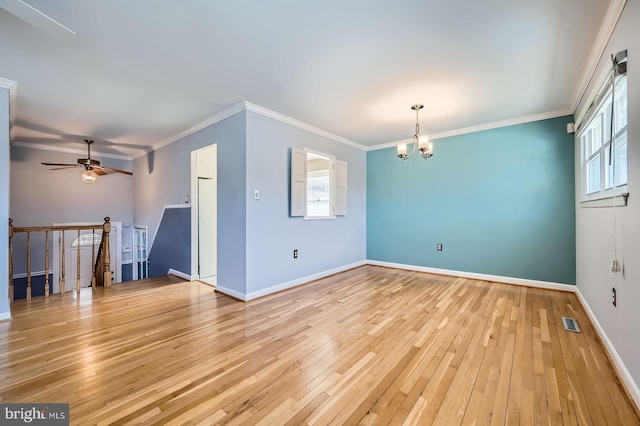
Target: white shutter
{"x": 298, "y": 182}
{"x": 340, "y": 208}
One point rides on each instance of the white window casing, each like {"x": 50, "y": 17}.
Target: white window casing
{"x": 298, "y": 182}
{"x": 307, "y": 180}
{"x": 340, "y": 205}
{"x": 600, "y": 180}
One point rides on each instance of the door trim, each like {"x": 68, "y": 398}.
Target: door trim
{"x": 195, "y": 254}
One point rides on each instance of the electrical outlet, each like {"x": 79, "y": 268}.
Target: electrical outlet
{"x": 439, "y": 246}
{"x": 614, "y": 296}
{"x": 295, "y": 254}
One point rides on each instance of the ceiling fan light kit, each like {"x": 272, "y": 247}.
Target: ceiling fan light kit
{"x": 92, "y": 168}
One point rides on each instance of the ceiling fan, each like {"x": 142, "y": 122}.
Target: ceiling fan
{"x": 92, "y": 168}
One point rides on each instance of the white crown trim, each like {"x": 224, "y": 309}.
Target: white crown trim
{"x": 600, "y": 44}
{"x": 7, "y": 84}
{"x": 69, "y": 150}
{"x": 488, "y": 126}
{"x": 248, "y": 106}
{"x": 199, "y": 126}
{"x": 299, "y": 124}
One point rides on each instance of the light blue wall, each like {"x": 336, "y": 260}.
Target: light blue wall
{"x": 500, "y": 201}
{"x": 163, "y": 178}
{"x": 271, "y": 234}
{"x": 4, "y": 202}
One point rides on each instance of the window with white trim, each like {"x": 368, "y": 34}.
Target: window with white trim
{"x": 318, "y": 185}
{"x": 603, "y": 177}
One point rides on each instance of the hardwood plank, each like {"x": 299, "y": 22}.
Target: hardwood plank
{"x": 367, "y": 346}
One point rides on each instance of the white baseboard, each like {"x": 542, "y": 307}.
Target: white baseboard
{"x": 5, "y": 316}
{"x": 284, "y": 286}
{"x": 231, "y": 292}
{"x": 181, "y": 275}
{"x": 631, "y": 385}
{"x": 476, "y": 276}
{"x": 300, "y": 281}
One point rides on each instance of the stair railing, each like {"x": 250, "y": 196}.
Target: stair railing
{"x": 100, "y": 263}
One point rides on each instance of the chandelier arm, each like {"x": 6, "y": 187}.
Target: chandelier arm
{"x": 414, "y": 148}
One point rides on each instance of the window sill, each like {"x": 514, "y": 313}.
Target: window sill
{"x": 318, "y": 217}
{"x": 606, "y": 201}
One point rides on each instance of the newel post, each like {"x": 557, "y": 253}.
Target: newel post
{"x": 10, "y": 261}
{"x": 106, "y": 228}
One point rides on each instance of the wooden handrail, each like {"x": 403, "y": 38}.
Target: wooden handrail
{"x": 99, "y": 262}
{"x": 56, "y": 228}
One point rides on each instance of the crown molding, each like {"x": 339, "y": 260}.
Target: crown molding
{"x": 604, "y": 34}
{"x": 237, "y": 108}
{"x": 248, "y": 106}
{"x": 488, "y": 126}
{"x": 392, "y": 144}
{"x": 69, "y": 150}
{"x": 301, "y": 125}
{"x": 7, "y": 84}
{"x": 37, "y": 18}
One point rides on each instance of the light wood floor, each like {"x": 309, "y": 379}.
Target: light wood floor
{"x": 367, "y": 346}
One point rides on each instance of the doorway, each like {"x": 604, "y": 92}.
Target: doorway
{"x": 204, "y": 214}
{"x": 83, "y": 243}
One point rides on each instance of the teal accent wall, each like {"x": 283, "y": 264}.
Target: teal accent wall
{"x": 500, "y": 201}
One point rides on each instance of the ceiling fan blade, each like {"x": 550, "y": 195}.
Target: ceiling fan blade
{"x": 99, "y": 171}
{"x": 63, "y": 168}
{"x": 109, "y": 169}
{"x": 61, "y": 164}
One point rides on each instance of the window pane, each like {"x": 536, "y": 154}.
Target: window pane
{"x": 597, "y": 134}
{"x": 593, "y": 175}
{"x": 621, "y": 104}
{"x": 620, "y": 157}
{"x": 318, "y": 195}
{"x": 87, "y": 240}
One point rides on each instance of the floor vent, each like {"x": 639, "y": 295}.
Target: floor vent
{"x": 570, "y": 324}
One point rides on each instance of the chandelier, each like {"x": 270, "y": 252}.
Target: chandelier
{"x": 420, "y": 142}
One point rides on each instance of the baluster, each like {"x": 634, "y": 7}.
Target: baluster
{"x": 28, "y": 266}
{"x": 78, "y": 267}
{"x": 62, "y": 280}
{"x": 46, "y": 263}
{"x": 106, "y": 227}
{"x": 10, "y": 261}
{"x": 93, "y": 259}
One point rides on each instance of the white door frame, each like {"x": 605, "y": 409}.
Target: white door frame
{"x": 116, "y": 264}
{"x": 195, "y": 255}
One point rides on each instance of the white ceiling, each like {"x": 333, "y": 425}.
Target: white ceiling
{"x": 138, "y": 73}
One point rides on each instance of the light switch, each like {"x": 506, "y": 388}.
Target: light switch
{"x": 256, "y": 194}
